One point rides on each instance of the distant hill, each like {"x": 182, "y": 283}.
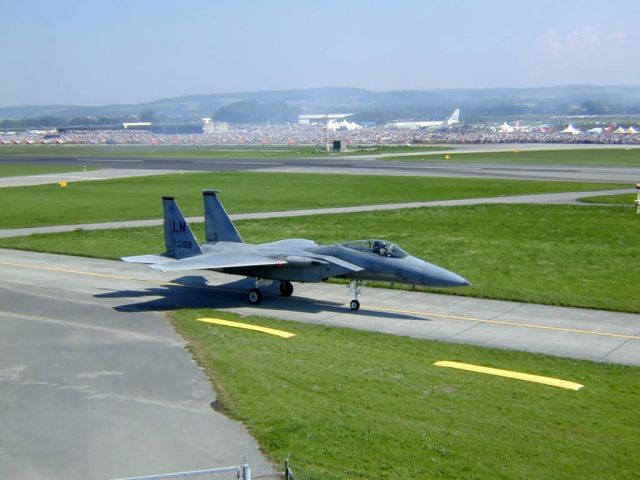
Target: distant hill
{"x": 367, "y": 105}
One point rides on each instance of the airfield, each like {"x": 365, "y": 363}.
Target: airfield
{"x": 83, "y": 306}
{"x": 364, "y": 164}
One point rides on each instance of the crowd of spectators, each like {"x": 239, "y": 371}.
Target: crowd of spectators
{"x": 295, "y": 134}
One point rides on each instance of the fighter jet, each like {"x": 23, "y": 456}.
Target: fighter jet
{"x": 286, "y": 261}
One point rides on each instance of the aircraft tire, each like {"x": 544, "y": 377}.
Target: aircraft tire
{"x": 286, "y": 289}
{"x": 354, "y": 305}
{"x": 255, "y": 296}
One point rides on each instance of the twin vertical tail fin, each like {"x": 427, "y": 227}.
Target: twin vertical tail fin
{"x": 217, "y": 224}
{"x": 179, "y": 240}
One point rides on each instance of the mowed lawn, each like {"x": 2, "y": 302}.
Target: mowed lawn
{"x": 200, "y": 151}
{"x": 582, "y": 256}
{"x": 140, "y": 198}
{"x": 17, "y": 169}
{"x": 344, "y": 404}
{"x": 597, "y": 156}
{"x": 624, "y": 199}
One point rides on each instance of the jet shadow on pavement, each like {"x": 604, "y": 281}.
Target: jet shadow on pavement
{"x": 194, "y": 292}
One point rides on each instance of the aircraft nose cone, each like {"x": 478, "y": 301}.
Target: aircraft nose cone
{"x": 441, "y": 277}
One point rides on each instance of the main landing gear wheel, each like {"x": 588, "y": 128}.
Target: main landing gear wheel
{"x": 255, "y": 296}
{"x": 286, "y": 289}
{"x": 355, "y": 305}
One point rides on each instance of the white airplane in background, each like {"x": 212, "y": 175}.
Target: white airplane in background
{"x": 429, "y": 125}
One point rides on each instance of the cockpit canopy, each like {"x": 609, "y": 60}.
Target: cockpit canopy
{"x": 378, "y": 247}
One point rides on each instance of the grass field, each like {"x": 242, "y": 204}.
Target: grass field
{"x": 626, "y": 199}
{"x": 611, "y": 156}
{"x": 554, "y": 254}
{"x": 346, "y": 404}
{"x": 139, "y": 198}
{"x": 199, "y": 151}
{"x": 16, "y": 169}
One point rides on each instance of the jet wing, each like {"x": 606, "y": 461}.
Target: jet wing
{"x": 218, "y": 261}
{"x": 341, "y": 263}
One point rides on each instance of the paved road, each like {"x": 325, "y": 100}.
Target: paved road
{"x": 370, "y": 164}
{"x": 94, "y": 383}
{"x": 87, "y": 391}
{"x": 104, "y": 174}
{"x": 544, "y": 198}
{"x": 132, "y": 288}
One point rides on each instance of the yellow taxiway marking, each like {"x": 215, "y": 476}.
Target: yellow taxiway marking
{"x": 248, "y": 326}
{"x": 66, "y": 270}
{"x": 381, "y": 309}
{"x": 94, "y": 274}
{"x": 554, "y": 382}
{"x": 511, "y": 324}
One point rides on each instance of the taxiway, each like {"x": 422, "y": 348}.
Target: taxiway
{"x": 366, "y": 164}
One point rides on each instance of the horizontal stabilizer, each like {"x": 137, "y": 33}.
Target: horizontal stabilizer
{"x": 145, "y": 259}
{"x": 218, "y": 262}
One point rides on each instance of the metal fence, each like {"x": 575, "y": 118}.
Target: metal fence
{"x": 242, "y": 472}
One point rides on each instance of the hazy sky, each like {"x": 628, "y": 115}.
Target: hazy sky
{"x": 90, "y": 52}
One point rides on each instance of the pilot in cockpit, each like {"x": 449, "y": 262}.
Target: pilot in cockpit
{"x": 380, "y": 248}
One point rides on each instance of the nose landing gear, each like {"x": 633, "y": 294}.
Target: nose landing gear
{"x": 255, "y": 296}
{"x": 355, "y": 290}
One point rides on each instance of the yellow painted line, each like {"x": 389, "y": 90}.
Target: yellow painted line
{"x": 554, "y": 382}
{"x": 381, "y": 309}
{"x": 511, "y": 324}
{"x": 94, "y": 274}
{"x": 248, "y": 326}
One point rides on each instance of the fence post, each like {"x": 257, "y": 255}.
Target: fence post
{"x": 287, "y": 470}
{"x": 246, "y": 471}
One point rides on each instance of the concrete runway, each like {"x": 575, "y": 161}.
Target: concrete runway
{"x": 130, "y": 289}
{"x": 104, "y": 174}
{"x": 370, "y": 165}
{"x": 94, "y": 382}
{"x": 87, "y": 391}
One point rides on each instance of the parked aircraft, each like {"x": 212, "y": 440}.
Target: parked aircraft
{"x": 286, "y": 261}
{"x": 429, "y": 125}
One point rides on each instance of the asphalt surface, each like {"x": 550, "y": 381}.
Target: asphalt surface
{"x": 88, "y": 391}
{"x": 94, "y": 382}
{"x": 368, "y": 164}
{"x": 64, "y": 290}
{"x": 104, "y": 174}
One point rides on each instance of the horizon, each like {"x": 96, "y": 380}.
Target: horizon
{"x": 318, "y": 88}
{"x": 93, "y": 53}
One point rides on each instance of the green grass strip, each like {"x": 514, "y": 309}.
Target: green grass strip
{"x": 16, "y": 169}
{"x": 139, "y": 198}
{"x": 581, "y": 256}
{"x": 625, "y": 199}
{"x": 597, "y": 156}
{"x": 201, "y": 151}
{"x": 350, "y": 404}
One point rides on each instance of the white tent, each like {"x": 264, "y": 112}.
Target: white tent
{"x": 595, "y": 130}
{"x": 571, "y": 129}
{"x": 343, "y": 125}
